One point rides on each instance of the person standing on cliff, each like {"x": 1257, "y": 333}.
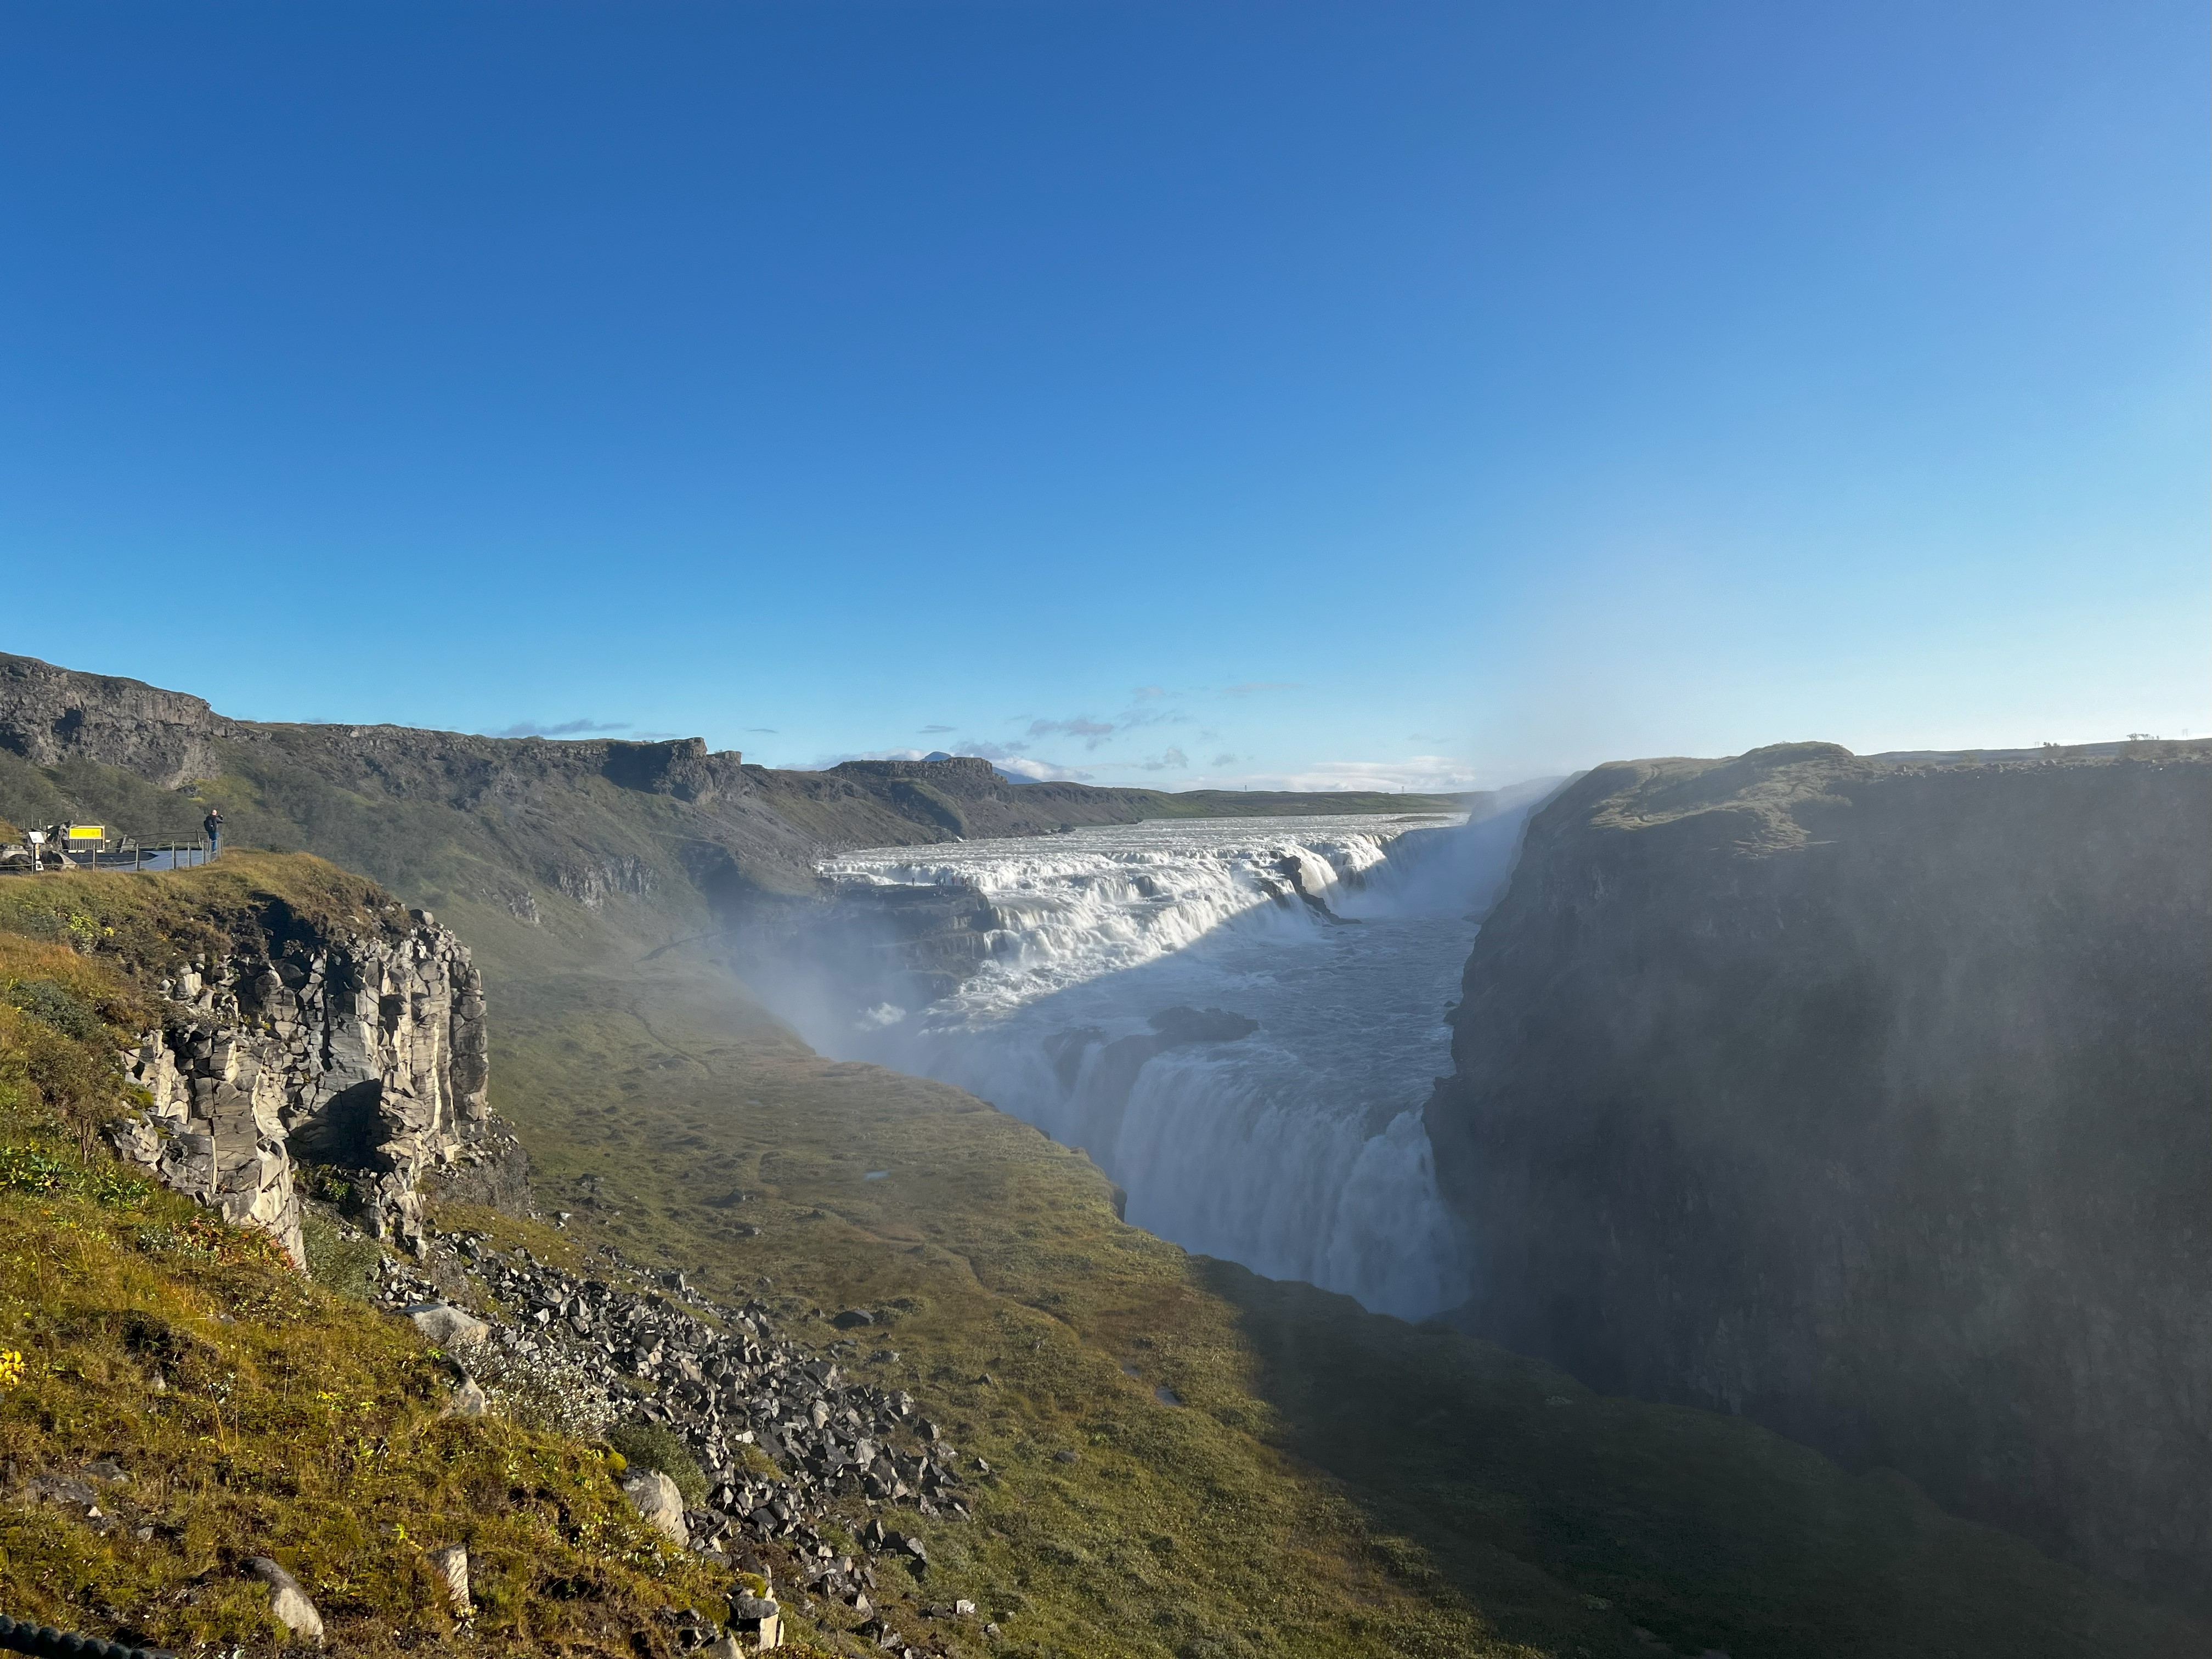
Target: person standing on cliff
{"x": 213, "y": 824}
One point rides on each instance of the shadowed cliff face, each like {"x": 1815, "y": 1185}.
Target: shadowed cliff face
{"x": 1872, "y": 1099}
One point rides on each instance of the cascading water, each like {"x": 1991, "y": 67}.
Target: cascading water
{"x": 1239, "y": 1019}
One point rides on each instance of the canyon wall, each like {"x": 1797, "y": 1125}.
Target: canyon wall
{"x": 1871, "y": 1098}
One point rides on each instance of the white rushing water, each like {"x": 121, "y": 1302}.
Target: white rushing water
{"x": 1239, "y": 1019}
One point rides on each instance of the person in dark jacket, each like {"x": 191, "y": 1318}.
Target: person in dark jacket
{"x": 213, "y": 824}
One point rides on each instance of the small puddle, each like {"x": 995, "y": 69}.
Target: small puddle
{"x": 1166, "y": 1395}
{"x": 876, "y": 1174}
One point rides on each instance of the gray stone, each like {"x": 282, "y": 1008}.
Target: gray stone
{"x": 654, "y": 1495}
{"x": 368, "y": 1055}
{"x": 287, "y": 1601}
{"x": 467, "y": 1400}
{"x": 65, "y": 1489}
{"x": 446, "y": 1325}
{"x": 452, "y": 1565}
{"x": 757, "y": 1622}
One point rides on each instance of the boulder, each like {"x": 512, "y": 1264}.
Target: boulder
{"x": 446, "y": 1325}
{"x": 288, "y": 1602}
{"x": 468, "y": 1399}
{"x": 757, "y": 1622}
{"x": 654, "y": 1495}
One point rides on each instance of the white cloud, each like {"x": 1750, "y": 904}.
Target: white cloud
{"x": 563, "y": 729}
{"x": 1043, "y": 771}
{"x": 1421, "y": 774}
{"x": 1093, "y": 732}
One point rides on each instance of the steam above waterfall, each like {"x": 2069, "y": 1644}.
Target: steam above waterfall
{"x": 1239, "y": 1018}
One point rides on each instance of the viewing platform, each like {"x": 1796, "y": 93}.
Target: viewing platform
{"x": 65, "y": 847}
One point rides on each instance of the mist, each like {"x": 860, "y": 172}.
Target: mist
{"x": 1239, "y": 1019}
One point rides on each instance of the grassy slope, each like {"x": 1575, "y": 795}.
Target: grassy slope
{"x": 284, "y": 1421}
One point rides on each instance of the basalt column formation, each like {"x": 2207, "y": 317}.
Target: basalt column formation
{"x": 362, "y": 1057}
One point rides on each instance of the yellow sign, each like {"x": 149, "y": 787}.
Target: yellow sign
{"x": 88, "y": 832}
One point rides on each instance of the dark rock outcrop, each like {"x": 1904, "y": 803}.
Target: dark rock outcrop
{"x": 48, "y": 714}
{"x": 1871, "y": 1098}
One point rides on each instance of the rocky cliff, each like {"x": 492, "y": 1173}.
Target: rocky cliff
{"x": 358, "y": 1054}
{"x": 1871, "y": 1098}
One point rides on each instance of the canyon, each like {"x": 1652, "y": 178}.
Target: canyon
{"x": 1861, "y": 1097}
{"x": 1870, "y": 1098}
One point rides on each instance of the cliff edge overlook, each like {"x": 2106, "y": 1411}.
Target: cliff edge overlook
{"x": 1870, "y": 1098}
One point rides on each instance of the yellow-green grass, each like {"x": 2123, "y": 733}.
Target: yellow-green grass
{"x": 256, "y": 1412}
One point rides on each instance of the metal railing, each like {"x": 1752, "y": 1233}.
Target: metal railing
{"x": 128, "y": 853}
{"x": 139, "y": 855}
{"x": 20, "y": 1636}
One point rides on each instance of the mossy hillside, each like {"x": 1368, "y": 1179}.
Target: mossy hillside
{"x": 1331, "y": 1481}
{"x": 256, "y": 1413}
{"x": 150, "y": 924}
{"x": 525, "y": 828}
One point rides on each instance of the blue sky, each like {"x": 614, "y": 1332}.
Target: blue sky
{"x": 1184, "y": 393}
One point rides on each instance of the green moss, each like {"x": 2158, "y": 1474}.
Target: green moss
{"x": 651, "y": 1446}
{"x": 50, "y": 1000}
{"x": 344, "y": 1267}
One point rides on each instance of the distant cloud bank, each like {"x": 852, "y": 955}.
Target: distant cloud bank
{"x": 564, "y": 729}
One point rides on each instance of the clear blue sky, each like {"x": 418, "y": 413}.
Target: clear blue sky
{"x": 1415, "y": 392}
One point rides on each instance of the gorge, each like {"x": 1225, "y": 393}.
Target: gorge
{"x": 1860, "y": 1097}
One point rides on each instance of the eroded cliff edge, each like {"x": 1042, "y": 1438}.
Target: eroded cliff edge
{"x": 360, "y": 1052}
{"x": 293, "y": 1027}
{"x": 1871, "y": 1098}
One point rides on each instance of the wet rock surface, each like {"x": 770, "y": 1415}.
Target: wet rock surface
{"x": 1868, "y": 1097}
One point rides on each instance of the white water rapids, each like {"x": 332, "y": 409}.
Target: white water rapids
{"x": 1239, "y": 1019}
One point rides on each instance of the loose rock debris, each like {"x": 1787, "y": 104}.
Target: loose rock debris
{"x": 790, "y": 1444}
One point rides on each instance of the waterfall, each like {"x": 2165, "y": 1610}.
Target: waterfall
{"x": 1239, "y": 1019}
